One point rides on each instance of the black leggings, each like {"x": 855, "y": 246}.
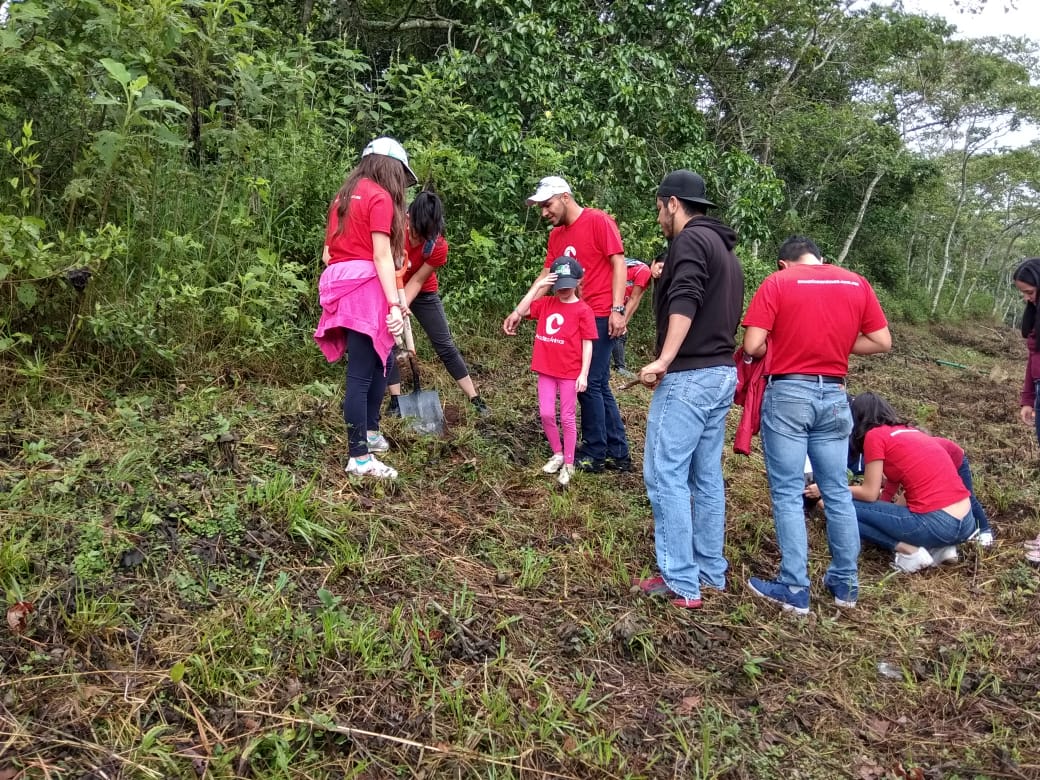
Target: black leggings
{"x": 429, "y": 311}
{"x": 365, "y": 385}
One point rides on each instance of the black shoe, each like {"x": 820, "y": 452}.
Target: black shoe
{"x": 618, "y": 464}
{"x": 393, "y": 408}
{"x": 480, "y": 406}
{"x": 590, "y": 466}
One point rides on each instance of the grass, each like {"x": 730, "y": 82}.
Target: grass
{"x": 475, "y": 619}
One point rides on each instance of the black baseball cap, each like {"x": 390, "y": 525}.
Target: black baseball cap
{"x": 684, "y": 185}
{"x": 568, "y": 273}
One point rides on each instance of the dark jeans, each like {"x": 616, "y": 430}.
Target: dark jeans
{"x": 618, "y": 352}
{"x": 977, "y": 512}
{"x": 429, "y": 311}
{"x": 365, "y": 386}
{"x": 1036, "y": 409}
{"x": 602, "y": 432}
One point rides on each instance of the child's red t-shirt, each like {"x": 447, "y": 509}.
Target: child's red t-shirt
{"x": 557, "y": 341}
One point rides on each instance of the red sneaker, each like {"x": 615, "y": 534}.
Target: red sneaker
{"x": 679, "y": 601}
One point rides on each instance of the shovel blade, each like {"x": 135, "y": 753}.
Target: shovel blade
{"x": 423, "y": 409}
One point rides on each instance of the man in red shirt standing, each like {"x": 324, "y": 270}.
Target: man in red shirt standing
{"x": 591, "y": 237}
{"x": 811, "y": 317}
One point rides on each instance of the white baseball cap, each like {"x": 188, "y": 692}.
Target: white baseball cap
{"x": 547, "y": 188}
{"x": 388, "y": 147}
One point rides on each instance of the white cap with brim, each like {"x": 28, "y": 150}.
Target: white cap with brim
{"x": 388, "y": 147}
{"x": 547, "y": 188}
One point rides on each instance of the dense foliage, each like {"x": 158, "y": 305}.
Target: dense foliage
{"x": 168, "y": 163}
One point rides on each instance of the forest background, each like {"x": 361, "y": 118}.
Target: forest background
{"x": 168, "y": 164}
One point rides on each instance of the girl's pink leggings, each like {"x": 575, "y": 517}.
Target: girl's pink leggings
{"x": 548, "y": 387}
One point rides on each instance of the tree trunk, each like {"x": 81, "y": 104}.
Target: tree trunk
{"x": 306, "y": 10}
{"x": 859, "y": 217}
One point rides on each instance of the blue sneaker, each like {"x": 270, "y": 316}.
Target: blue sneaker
{"x": 781, "y": 594}
{"x": 844, "y": 594}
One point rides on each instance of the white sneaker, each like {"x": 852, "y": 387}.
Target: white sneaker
{"x": 985, "y": 539}
{"x": 553, "y": 464}
{"x": 566, "y": 471}
{"x": 371, "y": 468}
{"x": 942, "y": 555}
{"x": 377, "y": 442}
{"x": 909, "y": 564}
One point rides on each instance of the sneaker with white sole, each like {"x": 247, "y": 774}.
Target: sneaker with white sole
{"x": 377, "y": 442}
{"x": 947, "y": 554}
{"x": 914, "y": 562}
{"x": 370, "y": 467}
{"x": 984, "y": 539}
{"x": 553, "y": 464}
{"x": 796, "y": 601}
{"x": 566, "y": 472}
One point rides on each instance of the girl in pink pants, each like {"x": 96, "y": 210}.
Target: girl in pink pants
{"x": 561, "y": 357}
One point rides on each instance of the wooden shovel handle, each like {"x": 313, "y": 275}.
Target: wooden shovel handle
{"x": 409, "y": 340}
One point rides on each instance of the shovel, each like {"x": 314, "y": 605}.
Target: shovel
{"x": 423, "y": 407}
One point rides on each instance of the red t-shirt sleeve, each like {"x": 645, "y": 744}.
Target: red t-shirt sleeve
{"x": 439, "y": 256}
{"x": 380, "y": 211}
{"x": 873, "y": 317}
{"x": 761, "y": 312}
{"x": 588, "y": 324}
{"x": 537, "y": 307}
{"x": 873, "y": 446}
{"x": 608, "y": 235}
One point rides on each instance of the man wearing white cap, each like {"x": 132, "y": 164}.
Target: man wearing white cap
{"x": 592, "y": 238}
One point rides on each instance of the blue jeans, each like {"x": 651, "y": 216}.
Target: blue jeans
{"x": 602, "y": 432}
{"x": 886, "y": 524}
{"x": 682, "y": 468}
{"x": 813, "y": 418}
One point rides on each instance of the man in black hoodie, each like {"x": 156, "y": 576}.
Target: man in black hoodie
{"x": 698, "y": 301}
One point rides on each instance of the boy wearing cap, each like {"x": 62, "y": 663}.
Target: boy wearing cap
{"x": 561, "y": 357}
{"x": 697, "y": 304}
{"x": 590, "y": 237}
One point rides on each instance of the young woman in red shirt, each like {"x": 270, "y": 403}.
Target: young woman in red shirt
{"x": 358, "y": 291}
{"x": 427, "y": 250}
{"x": 937, "y": 515}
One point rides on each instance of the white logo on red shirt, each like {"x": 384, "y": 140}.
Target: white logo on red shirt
{"x": 570, "y": 252}
{"x": 553, "y": 323}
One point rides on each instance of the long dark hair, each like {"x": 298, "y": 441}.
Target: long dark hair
{"x": 869, "y": 410}
{"x": 426, "y": 215}
{"x": 389, "y": 174}
{"x": 1028, "y": 271}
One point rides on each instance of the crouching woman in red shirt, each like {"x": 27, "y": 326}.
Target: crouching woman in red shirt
{"x": 937, "y": 516}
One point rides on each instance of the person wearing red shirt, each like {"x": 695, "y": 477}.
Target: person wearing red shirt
{"x": 937, "y": 515}
{"x": 590, "y": 237}
{"x": 810, "y": 317}
{"x": 358, "y": 290}
{"x": 561, "y": 356}
{"x": 427, "y": 251}
{"x": 638, "y": 279}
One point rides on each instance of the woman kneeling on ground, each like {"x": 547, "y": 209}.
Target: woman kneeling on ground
{"x": 937, "y": 516}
